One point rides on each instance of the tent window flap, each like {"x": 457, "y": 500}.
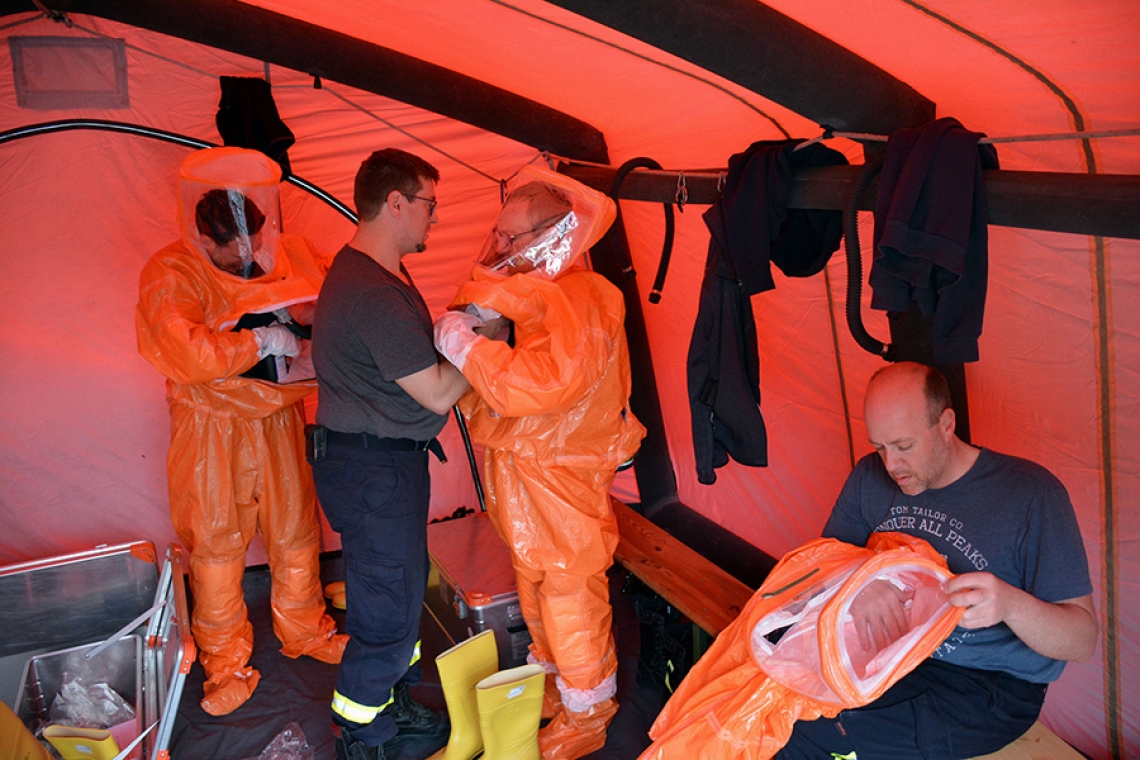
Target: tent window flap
{"x": 66, "y": 72}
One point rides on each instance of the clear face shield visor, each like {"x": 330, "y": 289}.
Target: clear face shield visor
{"x": 548, "y": 223}
{"x": 547, "y": 249}
{"x": 228, "y": 205}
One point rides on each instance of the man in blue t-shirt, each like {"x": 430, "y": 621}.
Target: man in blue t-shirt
{"x": 1008, "y": 531}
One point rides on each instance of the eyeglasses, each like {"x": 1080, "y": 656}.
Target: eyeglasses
{"x": 506, "y": 241}
{"x": 431, "y": 202}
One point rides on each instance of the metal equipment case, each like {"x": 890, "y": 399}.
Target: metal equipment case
{"x": 111, "y": 614}
{"x": 471, "y": 587}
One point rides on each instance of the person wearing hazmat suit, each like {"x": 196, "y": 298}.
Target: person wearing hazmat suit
{"x": 220, "y": 314}
{"x": 550, "y": 406}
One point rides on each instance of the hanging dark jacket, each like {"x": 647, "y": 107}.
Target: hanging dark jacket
{"x": 750, "y": 228}
{"x": 931, "y": 236}
{"x": 247, "y": 118}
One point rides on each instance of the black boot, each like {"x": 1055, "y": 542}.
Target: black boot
{"x": 666, "y": 644}
{"x": 348, "y": 748}
{"x": 420, "y": 732}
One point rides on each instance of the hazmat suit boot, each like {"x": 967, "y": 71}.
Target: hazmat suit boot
{"x": 222, "y": 631}
{"x": 571, "y": 735}
{"x": 222, "y": 694}
{"x": 510, "y": 707}
{"x": 460, "y": 669}
{"x": 331, "y": 650}
{"x": 420, "y": 731}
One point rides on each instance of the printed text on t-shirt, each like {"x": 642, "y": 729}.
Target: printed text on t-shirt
{"x": 923, "y": 522}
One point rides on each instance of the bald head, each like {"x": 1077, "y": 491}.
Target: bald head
{"x": 911, "y": 377}
{"x": 911, "y": 425}
{"x": 541, "y": 201}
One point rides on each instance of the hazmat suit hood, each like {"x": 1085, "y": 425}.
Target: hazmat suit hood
{"x": 228, "y": 207}
{"x": 794, "y": 651}
{"x": 558, "y": 221}
{"x": 189, "y": 306}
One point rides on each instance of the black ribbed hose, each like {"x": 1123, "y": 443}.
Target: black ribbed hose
{"x": 667, "y": 245}
{"x": 462, "y": 423}
{"x": 855, "y": 264}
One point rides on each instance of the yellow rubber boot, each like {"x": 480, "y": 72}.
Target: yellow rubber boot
{"x": 335, "y": 593}
{"x": 460, "y": 669}
{"x": 510, "y": 707}
{"x": 16, "y": 741}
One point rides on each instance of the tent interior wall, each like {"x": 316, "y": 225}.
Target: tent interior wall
{"x": 86, "y": 427}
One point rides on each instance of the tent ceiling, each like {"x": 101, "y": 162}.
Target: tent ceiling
{"x": 743, "y": 41}
{"x": 767, "y": 52}
{"x": 301, "y": 46}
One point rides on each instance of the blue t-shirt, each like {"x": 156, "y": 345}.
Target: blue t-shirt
{"x": 1006, "y": 516}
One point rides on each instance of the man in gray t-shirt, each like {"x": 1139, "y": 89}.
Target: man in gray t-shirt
{"x": 384, "y": 396}
{"x": 1007, "y": 529}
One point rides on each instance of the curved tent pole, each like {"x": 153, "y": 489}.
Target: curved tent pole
{"x": 1080, "y": 204}
{"x": 65, "y": 125}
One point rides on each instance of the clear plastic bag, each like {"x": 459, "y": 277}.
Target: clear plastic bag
{"x": 84, "y": 705}
{"x": 289, "y": 744}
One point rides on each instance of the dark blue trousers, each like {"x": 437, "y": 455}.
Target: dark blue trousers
{"x": 936, "y": 712}
{"x": 378, "y": 502}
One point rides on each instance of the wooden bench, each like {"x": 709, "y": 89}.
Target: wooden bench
{"x": 712, "y": 599}
{"x": 703, "y": 592}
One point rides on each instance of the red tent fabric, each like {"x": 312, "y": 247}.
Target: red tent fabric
{"x": 85, "y": 425}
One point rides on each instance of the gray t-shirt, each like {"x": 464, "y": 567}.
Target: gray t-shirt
{"x": 1006, "y": 516}
{"x": 370, "y": 329}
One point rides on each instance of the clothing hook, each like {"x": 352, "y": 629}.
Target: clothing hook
{"x": 682, "y": 192}
{"x": 828, "y": 133}
{"x": 721, "y": 181}
{"x": 806, "y": 143}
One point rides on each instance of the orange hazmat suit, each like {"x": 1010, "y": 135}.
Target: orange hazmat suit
{"x": 743, "y": 696}
{"x": 235, "y": 464}
{"x": 552, "y": 413}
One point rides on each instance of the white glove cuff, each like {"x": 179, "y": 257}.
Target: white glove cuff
{"x": 259, "y": 335}
{"x": 457, "y": 345}
{"x": 485, "y": 313}
{"x": 455, "y": 336}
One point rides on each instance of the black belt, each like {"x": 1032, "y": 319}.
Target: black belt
{"x": 376, "y": 443}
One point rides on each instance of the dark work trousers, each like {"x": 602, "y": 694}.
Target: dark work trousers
{"x": 378, "y": 502}
{"x": 936, "y": 712}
